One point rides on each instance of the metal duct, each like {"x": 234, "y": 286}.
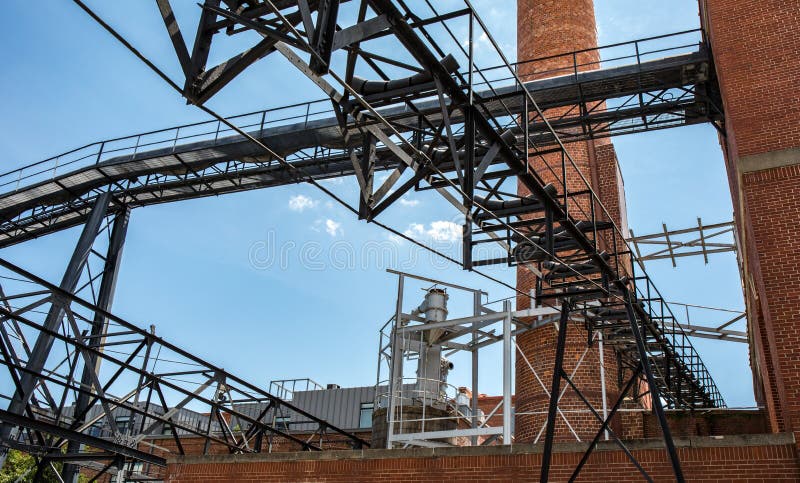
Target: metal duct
{"x": 368, "y": 87}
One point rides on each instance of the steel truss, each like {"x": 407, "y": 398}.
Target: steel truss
{"x": 672, "y": 244}
{"x": 630, "y": 93}
{"x": 472, "y": 135}
{"x": 67, "y": 403}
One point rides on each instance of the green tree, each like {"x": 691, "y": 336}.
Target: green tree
{"x": 22, "y": 467}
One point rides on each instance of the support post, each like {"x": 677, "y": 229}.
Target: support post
{"x": 600, "y": 350}
{"x": 555, "y": 391}
{"x": 69, "y": 282}
{"x": 476, "y": 311}
{"x": 654, "y": 395}
{"x": 507, "y": 388}
{"x": 468, "y": 187}
{"x": 396, "y": 368}
{"x": 105, "y": 299}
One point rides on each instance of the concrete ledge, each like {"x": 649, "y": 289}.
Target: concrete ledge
{"x": 773, "y": 159}
{"x": 777, "y": 439}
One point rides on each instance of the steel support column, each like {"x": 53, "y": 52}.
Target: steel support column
{"x": 105, "y": 299}
{"x": 476, "y": 311}
{"x": 658, "y": 407}
{"x": 507, "y": 368}
{"x": 396, "y": 364}
{"x": 555, "y": 390}
{"x": 44, "y": 342}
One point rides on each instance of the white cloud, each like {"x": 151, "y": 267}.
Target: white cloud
{"x": 333, "y": 228}
{"x": 407, "y": 202}
{"x": 415, "y": 230}
{"x": 441, "y": 231}
{"x": 444, "y": 231}
{"x": 301, "y": 203}
{"x": 396, "y": 239}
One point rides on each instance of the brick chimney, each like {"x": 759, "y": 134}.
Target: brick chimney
{"x": 548, "y": 28}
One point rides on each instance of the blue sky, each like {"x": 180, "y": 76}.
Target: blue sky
{"x": 197, "y": 269}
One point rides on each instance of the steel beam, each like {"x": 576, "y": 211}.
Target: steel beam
{"x": 555, "y": 392}
{"x": 105, "y": 299}
{"x": 176, "y": 36}
{"x": 508, "y": 353}
{"x": 41, "y": 350}
{"x": 150, "y": 379}
{"x": 11, "y": 419}
{"x": 323, "y": 40}
{"x": 655, "y": 397}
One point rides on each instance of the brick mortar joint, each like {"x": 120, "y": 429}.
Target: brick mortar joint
{"x": 760, "y": 440}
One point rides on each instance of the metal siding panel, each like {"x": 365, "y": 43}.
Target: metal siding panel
{"x": 339, "y": 407}
{"x": 336, "y": 406}
{"x": 302, "y": 401}
{"x": 351, "y": 398}
{"x": 350, "y": 406}
{"x": 319, "y": 408}
{"x": 358, "y": 396}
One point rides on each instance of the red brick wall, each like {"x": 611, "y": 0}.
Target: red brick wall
{"x": 771, "y": 195}
{"x": 756, "y": 47}
{"x": 546, "y": 28}
{"x": 758, "y": 463}
{"x": 165, "y": 447}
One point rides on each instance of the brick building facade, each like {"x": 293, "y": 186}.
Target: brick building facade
{"x": 755, "y": 47}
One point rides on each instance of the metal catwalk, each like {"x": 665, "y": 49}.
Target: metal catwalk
{"x": 411, "y": 101}
{"x": 206, "y": 159}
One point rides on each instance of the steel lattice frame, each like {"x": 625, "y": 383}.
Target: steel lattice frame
{"x": 164, "y": 389}
{"x": 461, "y": 143}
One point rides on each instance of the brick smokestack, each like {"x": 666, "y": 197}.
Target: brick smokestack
{"x": 547, "y": 28}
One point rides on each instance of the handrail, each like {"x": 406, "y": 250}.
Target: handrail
{"x": 100, "y": 151}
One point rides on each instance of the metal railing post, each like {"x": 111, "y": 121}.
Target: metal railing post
{"x": 100, "y": 152}
{"x": 175, "y": 141}
{"x": 263, "y": 119}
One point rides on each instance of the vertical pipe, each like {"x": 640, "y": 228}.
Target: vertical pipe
{"x": 507, "y": 353}
{"x": 476, "y": 310}
{"x": 395, "y": 372}
{"x": 602, "y": 377}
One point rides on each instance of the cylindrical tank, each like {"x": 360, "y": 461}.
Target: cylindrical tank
{"x": 430, "y": 373}
{"x": 435, "y": 305}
